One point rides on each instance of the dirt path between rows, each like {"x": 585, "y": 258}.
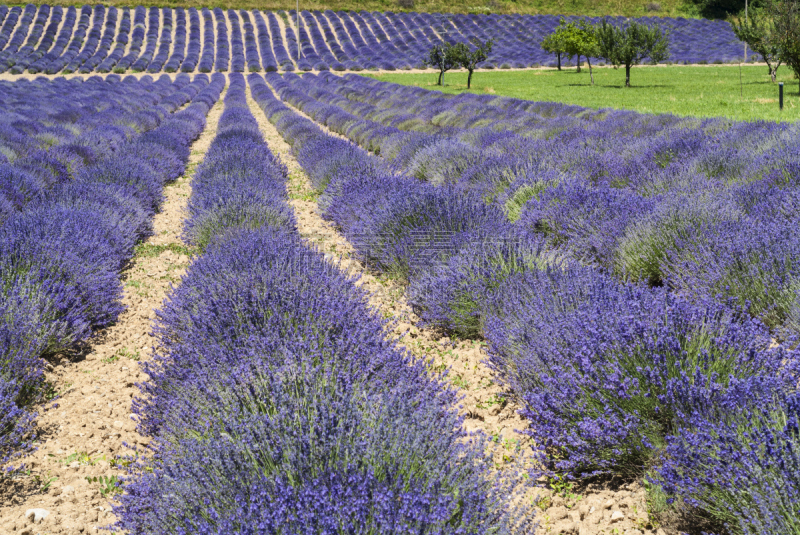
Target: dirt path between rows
{"x": 84, "y": 430}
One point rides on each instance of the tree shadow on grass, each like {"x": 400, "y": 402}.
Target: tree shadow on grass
{"x": 622, "y": 86}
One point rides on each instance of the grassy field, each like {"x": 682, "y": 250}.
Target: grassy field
{"x": 705, "y": 91}
{"x": 628, "y": 8}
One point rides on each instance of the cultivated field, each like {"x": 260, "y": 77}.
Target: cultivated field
{"x": 52, "y": 40}
{"x": 245, "y": 293}
{"x": 624, "y": 8}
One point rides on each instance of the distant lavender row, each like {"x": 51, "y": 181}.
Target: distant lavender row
{"x": 100, "y": 39}
{"x": 564, "y": 217}
{"x": 81, "y": 177}
{"x": 275, "y": 400}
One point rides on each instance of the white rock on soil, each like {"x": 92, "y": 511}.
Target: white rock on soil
{"x": 616, "y": 516}
{"x": 36, "y": 515}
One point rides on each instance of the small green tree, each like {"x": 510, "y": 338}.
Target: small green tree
{"x": 580, "y": 40}
{"x": 554, "y": 43}
{"x": 758, "y": 31}
{"x": 630, "y": 44}
{"x": 786, "y": 17}
{"x": 469, "y": 58}
{"x": 443, "y": 57}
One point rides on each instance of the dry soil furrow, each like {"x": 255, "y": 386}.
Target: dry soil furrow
{"x": 84, "y": 430}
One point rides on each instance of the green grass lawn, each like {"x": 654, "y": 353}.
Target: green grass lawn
{"x": 704, "y": 91}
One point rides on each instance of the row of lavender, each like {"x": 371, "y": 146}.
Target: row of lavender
{"x": 622, "y": 268}
{"x": 275, "y": 403}
{"x": 640, "y": 213}
{"x": 105, "y": 39}
{"x": 80, "y": 179}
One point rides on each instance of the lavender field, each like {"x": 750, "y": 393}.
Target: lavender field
{"x": 322, "y": 303}
{"x": 52, "y": 40}
{"x": 634, "y": 276}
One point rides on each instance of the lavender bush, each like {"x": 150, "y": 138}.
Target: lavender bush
{"x": 193, "y": 47}
{"x": 240, "y": 182}
{"x": 606, "y": 370}
{"x": 279, "y": 419}
{"x": 740, "y": 467}
{"x": 452, "y": 295}
{"x": 207, "y": 58}
{"x": 222, "y": 45}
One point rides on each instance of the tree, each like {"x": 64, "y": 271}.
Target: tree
{"x": 786, "y": 18}
{"x": 442, "y": 57}
{"x": 580, "y": 40}
{"x": 631, "y": 44}
{"x": 758, "y": 31}
{"x": 554, "y": 43}
{"x": 468, "y": 58}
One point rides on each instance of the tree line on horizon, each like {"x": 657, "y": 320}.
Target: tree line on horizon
{"x": 626, "y": 46}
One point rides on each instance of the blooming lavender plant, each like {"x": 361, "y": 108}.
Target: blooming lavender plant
{"x": 606, "y": 370}
{"x": 452, "y": 295}
{"x": 740, "y": 467}
{"x": 223, "y": 54}
{"x": 206, "y": 62}
{"x": 297, "y": 398}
